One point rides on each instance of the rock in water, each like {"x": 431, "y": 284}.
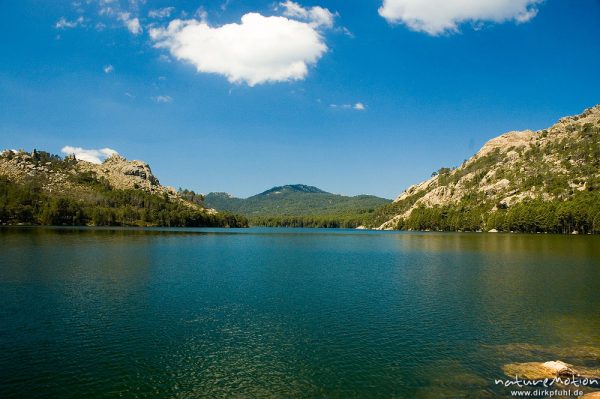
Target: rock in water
{"x": 538, "y": 371}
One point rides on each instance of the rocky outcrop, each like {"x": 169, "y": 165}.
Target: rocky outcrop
{"x": 550, "y": 369}
{"x": 537, "y": 371}
{"x": 515, "y": 167}
{"x": 124, "y": 174}
{"x": 70, "y": 175}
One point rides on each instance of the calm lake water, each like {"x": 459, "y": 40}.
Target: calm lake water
{"x": 93, "y": 313}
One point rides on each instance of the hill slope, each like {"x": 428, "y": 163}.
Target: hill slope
{"x": 41, "y": 188}
{"x": 547, "y": 180}
{"x": 294, "y": 200}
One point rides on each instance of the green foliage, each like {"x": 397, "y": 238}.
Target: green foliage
{"x": 555, "y": 168}
{"x": 29, "y": 204}
{"x": 345, "y": 221}
{"x": 299, "y": 206}
{"x": 191, "y": 196}
{"x": 581, "y": 213}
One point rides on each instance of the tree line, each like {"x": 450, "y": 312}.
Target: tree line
{"x": 316, "y": 221}
{"x": 29, "y": 203}
{"x": 579, "y": 214}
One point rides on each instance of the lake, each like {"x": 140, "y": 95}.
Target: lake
{"x": 308, "y": 313}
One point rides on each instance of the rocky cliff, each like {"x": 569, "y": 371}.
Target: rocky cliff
{"x": 70, "y": 176}
{"x": 549, "y": 165}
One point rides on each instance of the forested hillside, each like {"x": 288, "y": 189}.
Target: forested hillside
{"x": 299, "y": 205}
{"x": 529, "y": 181}
{"x": 45, "y": 189}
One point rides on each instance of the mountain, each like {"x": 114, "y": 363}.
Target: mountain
{"x": 534, "y": 181}
{"x": 294, "y": 188}
{"x": 295, "y": 200}
{"x": 42, "y": 188}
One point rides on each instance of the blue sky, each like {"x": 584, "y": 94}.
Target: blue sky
{"x": 352, "y": 97}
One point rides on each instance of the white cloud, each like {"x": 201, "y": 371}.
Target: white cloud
{"x": 316, "y": 16}
{"x": 106, "y": 11}
{"x": 64, "y": 23}
{"x": 258, "y": 50}
{"x": 89, "y": 155}
{"x": 160, "y": 13}
{"x": 108, "y": 68}
{"x": 346, "y": 32}
{"x": 162, "y": 99}
{"x": 132, "y": 24}
{"x": 356, "y": 106}
{"x": 437, "y": 17}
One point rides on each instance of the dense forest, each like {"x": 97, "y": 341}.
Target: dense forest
{"x": 580, "y": 214}
{"x": 30, "y": 204}
{"x": 344, "y": 221}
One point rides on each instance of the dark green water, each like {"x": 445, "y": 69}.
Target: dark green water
{"x": 288, "y": 313}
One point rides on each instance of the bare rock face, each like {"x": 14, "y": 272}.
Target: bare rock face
{"x": 132, "y": 168}
{"x": 124, "y": 174}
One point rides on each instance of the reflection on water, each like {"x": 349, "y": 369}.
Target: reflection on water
{"x": 282, "y": 312}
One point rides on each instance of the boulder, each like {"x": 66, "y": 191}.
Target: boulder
{"x": 538, "y": 370}
{"x": 551, "y": 369}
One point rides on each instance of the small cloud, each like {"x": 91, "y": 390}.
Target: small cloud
{"x": 77, "y": 6}
{"x": 201, "y": 14}
{"x": 346, "y": 32}
{"x": 128, "y": 94}
{"x": 356, "y": 107}
{"x": 64, "y": 23}
{"x": 437, "y": 17}
{"x": 160, "y": 13}
{"x": 162, "y": 99}
{"x": 90, "y": 155}
{"x": 132, "y": 24}
{"x": 316, "y": 16}
{"x": 108, "y": 68}
{"x": 106, "y": 11}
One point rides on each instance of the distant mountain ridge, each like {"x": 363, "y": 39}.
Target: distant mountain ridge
{"x": 293, "y": 188}
{"x": 294, "y": 200}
